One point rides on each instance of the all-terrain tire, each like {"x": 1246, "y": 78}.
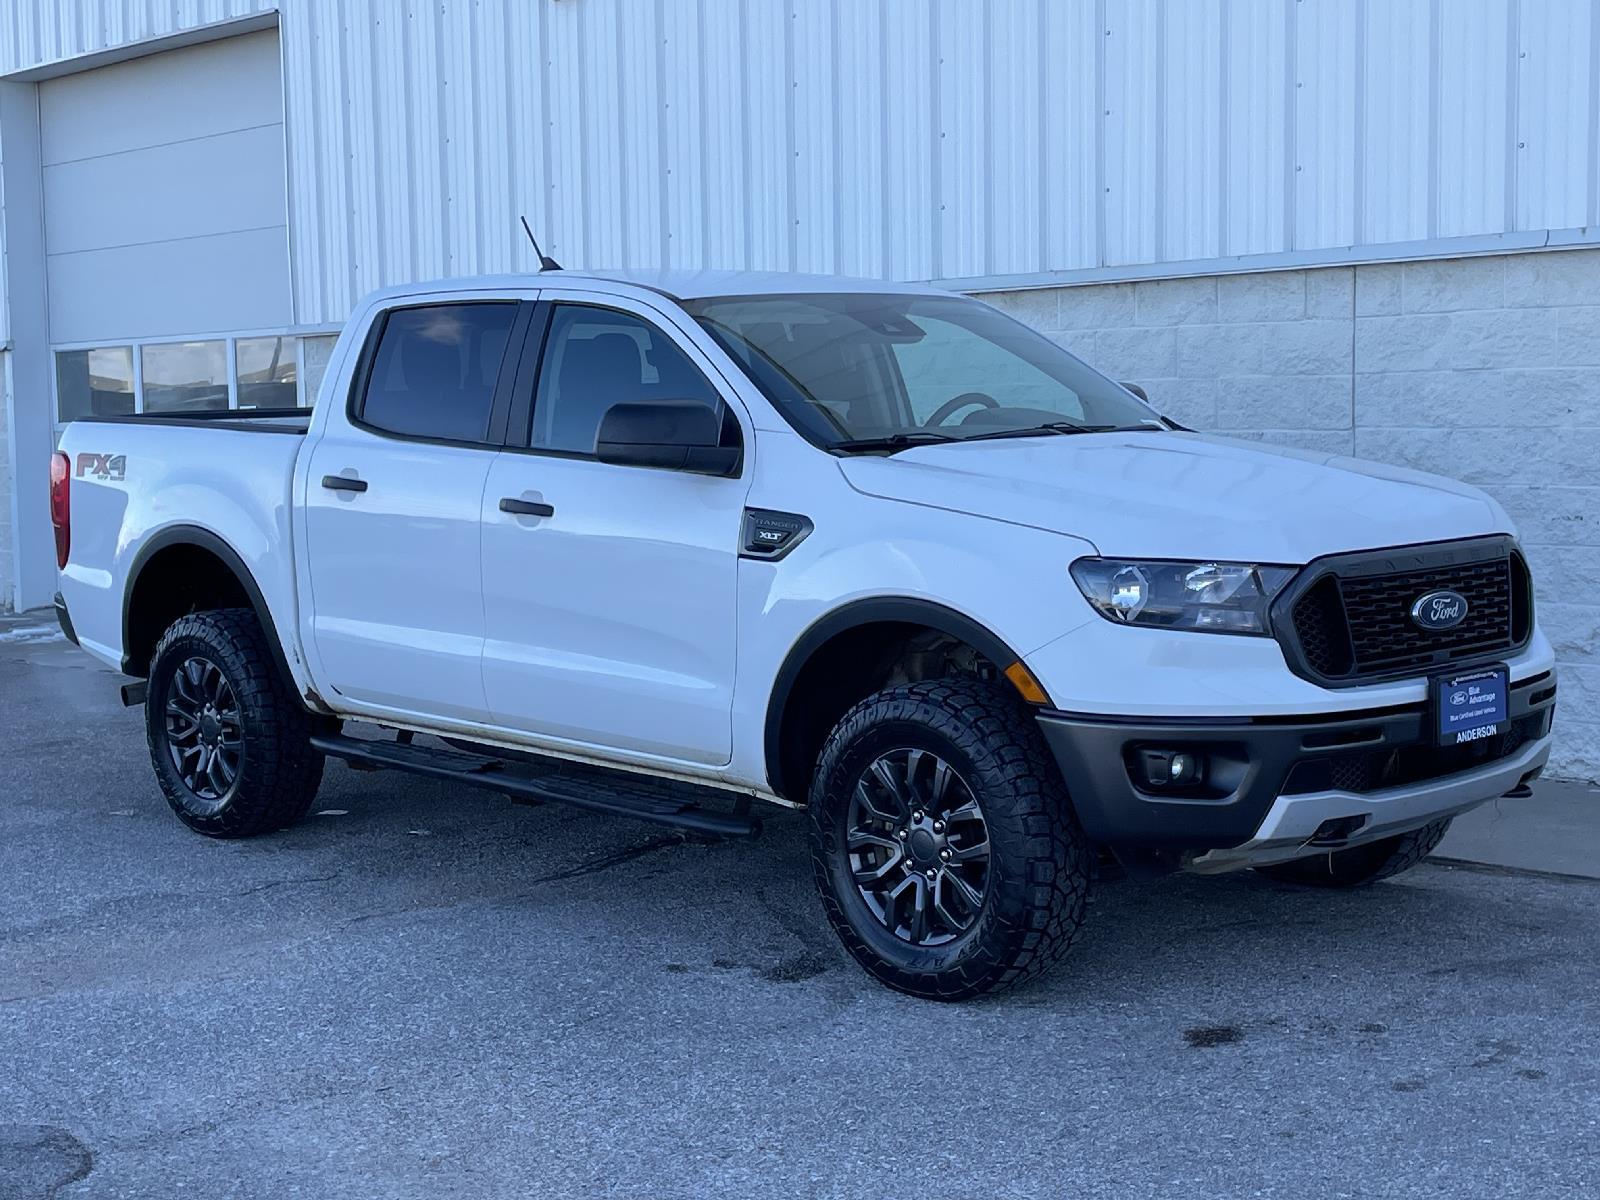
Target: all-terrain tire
{"x": 1361, "y": 865}
{"x": 1039, "y": 864}
{"x": 277, "y": 771}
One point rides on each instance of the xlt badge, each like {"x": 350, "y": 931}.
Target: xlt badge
{"x": 770, "y": 534}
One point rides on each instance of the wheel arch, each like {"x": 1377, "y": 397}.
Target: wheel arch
{"x": 227, "y": 578}
{"x": 858, "y": 616}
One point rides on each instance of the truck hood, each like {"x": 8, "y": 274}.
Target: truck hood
{"x": 1156, "y": 494}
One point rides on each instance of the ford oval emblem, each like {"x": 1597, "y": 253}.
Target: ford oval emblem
{"x": 1440, "y": 610}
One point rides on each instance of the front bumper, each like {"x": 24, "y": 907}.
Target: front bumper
{"x": 1275, "y": 783}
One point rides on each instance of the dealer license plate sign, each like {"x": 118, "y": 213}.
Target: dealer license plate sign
{"x": 1472, "y": 705}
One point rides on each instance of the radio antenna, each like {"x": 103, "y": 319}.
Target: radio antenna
{"x": 546, "y": 263}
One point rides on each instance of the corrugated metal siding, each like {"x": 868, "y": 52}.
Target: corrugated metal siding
{"x": 954, "y": 139}
{"x": 1189, "y": 107}
{"x": 1394, "y": 121}
{"x": 1326, "y": 46}
{"x": 1553, "y": 80}
{"x": 1471, "y": 109}
{"x": 944, "y": 139}
{"x": 1255, "y": 126}
{"x": 1132, "y": 132}
{"x": 35, "y": 33}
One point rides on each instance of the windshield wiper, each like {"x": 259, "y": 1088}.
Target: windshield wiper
{"x": 1047, "y": 427}
{"x": 895, "y": 441}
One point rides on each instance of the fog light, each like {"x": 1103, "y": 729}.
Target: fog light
{"x": 1171, "y": 768}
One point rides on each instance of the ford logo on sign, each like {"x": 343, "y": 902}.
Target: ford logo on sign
{"x": 1440, "y": 610}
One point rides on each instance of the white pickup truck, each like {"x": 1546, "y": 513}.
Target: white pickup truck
{"x": 662, "y": 543}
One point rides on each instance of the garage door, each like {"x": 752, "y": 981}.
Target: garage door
{"x": 166, "y": 228}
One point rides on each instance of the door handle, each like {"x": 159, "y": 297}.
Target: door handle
{"x": 527, "y": 508}
{"x": 343, "y": 483}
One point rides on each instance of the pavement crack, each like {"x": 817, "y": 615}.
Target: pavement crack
{"x": 43, "y": 1156}
{"x": 606, "y": 861}
{"x": 817, "y": 954}
{"x": 278, "y": 883}
{"x": 594, "y": 866}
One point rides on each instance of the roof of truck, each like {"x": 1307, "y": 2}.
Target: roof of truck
{"x": 686, "y": 284}
{"x": 678, "y": 283}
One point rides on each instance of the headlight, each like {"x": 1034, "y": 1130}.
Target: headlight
{"x": 1211, "y": 597}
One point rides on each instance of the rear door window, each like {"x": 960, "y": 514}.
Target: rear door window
{"x": 436, "y": 368}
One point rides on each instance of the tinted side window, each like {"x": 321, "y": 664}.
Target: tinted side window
{"x": 435, "y": 370}
{"x": 596, "y": 357}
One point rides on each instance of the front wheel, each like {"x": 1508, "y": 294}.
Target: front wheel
{"x": 948, "y": 857}
{"x": 229, "y": 741}
{"x": 1361, "y": 864}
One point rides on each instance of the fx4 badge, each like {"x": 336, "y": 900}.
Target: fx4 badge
{"x": 113, "y": 467}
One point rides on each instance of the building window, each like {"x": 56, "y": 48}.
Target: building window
{"x": 184, "y": 376}
{"x": 266, "y": 372}
{"x": 255, "y": 371}
{"x": 95, "y": 383}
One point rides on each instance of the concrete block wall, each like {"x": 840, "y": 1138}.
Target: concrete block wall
{"x": 1486, "y": 369}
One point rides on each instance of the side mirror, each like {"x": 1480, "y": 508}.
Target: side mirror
{"x": 1137, "y": 391}
{"x": 670, "y": 435}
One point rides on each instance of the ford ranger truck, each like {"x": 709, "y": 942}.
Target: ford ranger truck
{"x": 665, "y": 544}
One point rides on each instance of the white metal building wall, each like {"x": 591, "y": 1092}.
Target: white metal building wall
{"x": 965, "y": 140}
{"x": 38, "y": 33}
{"x": 981, "y": 141}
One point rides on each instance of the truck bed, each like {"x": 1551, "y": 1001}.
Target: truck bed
{"x": 250, "y": 420}
{"x": 137, "y": 481}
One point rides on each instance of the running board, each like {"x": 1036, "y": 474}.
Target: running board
{"x": 529, "y": 777}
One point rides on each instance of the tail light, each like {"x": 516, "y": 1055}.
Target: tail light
{"x": 61, "y": 505}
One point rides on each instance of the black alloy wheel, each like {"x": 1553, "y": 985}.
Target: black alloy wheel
{"x": 205, "y": 733}
{"x": 919, "y": 847}
{"x": 945, "y": 849}
{"x": 229, "y": 739}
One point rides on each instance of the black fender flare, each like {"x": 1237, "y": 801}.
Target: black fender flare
{"x": 204, "y": 539}
{"x": 874, "y": 610}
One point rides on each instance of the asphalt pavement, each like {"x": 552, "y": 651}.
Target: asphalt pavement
{"x": 427, "y": 993}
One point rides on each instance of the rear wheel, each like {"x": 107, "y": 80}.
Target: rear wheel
{"x": 229, "y": 741}
{"x": 948, "y": 858}
{"x": 1362, "y": 864}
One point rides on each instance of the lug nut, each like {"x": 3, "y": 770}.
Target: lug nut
{"x": 901, "y": 834}
{"x": 930, "y": 873}
{"x": 917, "y": 816}
{"x": 945, "y": 854}
{"x": 938, "y": 826}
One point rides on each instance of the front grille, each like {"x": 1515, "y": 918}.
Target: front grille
{"x": 1320, "y": 624}
{"x": 1353, "y": 626}
{"x": 1373, "y": 770}
{"x": 1383, "y": 635}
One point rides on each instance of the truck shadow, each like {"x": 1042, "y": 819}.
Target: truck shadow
{"x": 750, "y": 909}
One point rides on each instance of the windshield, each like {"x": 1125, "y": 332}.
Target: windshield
{"x": 888, "y": 371}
